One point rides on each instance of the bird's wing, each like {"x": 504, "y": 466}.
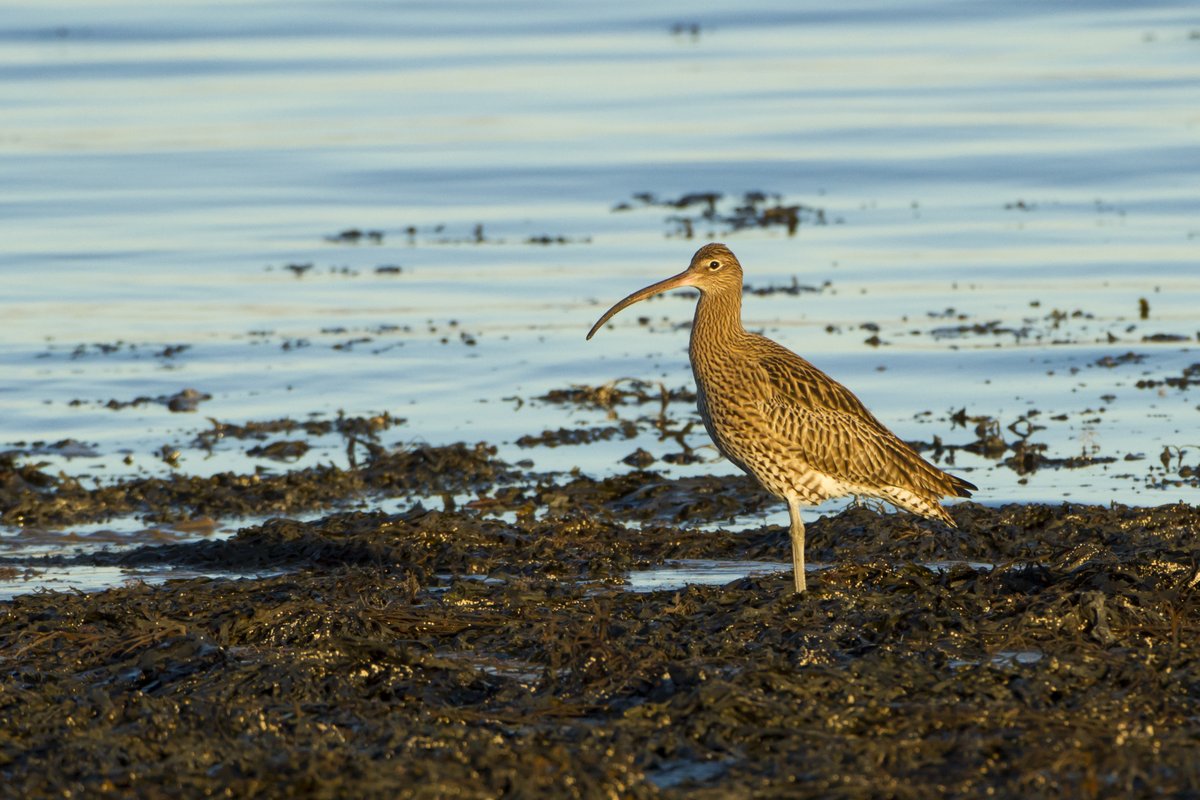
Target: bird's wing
{"x": 828, "y": 428}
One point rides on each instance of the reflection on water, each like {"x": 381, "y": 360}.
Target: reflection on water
{"x": 177, "y": 180}
{"x": 678, "y": 573}
{"x": 947, "y": 566}
{"x": 1004, "y": 659}
{"x": 20, "y": 580}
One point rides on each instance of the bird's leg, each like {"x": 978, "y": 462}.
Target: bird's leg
{"x": 797, "y": 545}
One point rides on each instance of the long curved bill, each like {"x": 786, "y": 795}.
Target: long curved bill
{"x": 674, "y": 282}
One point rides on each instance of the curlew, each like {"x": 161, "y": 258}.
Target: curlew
{"x": 798, "y": 432}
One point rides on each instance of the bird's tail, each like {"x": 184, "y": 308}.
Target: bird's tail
{"x": 959, "y": 487}
{"x": 928, "y": 503}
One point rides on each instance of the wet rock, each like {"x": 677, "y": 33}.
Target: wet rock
{"x": 283, "y": 450}
{"x": 639, "y": 459}
{"x": 989, "y": 443}
{"x": 170, "y": 351}
{"x": 1126, "y": 358}
{"x": 356, "y": 236}
{"x": 184, "y": 401}
{"x": 549, "y": 240}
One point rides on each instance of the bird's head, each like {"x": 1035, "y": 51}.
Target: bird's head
{"x": 714, "y": 270}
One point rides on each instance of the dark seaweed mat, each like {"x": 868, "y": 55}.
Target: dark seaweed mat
{"x": 31, "y": 497}
{"x": 384, "y": 667}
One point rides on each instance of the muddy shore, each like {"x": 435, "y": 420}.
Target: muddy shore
{"x": 492, "y": 648}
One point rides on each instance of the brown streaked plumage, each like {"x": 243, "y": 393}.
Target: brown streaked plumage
{"x": 801, "y": 434}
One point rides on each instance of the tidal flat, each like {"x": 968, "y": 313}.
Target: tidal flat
{"x": 501, "y": 647}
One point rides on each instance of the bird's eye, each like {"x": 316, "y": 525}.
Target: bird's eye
{"x": 714, "y": 265}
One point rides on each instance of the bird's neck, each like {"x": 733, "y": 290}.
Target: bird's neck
{"x": 718, "y": 318}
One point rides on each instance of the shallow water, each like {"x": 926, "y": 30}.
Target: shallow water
{"x": 87, "y": 578}
{"x": 677, "y": 573}
{"x": 1029, "y": 166}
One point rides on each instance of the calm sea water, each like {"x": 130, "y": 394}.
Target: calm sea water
{"x": 1002, "y": 184}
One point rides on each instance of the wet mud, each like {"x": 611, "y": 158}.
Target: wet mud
{"x": 482, "y": 642}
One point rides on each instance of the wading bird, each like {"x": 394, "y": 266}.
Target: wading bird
{"x": 798, "y": 432}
